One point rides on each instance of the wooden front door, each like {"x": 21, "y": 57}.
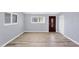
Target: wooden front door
{"x": 52, "y": 23}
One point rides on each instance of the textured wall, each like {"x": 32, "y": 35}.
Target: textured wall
{"x": 71, "y": 25}
{"x": 10, "y": 31}
{"x": 29, "y": 27}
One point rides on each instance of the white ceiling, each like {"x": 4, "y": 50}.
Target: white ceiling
{"x": 41, "y": 12}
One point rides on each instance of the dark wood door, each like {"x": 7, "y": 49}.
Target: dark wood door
{"x": 52, "y": 23}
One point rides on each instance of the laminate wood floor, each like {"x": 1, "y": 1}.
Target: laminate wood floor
{"x": 36, "y": 39}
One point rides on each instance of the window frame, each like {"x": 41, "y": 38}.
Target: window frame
{"x": 38, "y": 20}
{"x": 11, "y": 23}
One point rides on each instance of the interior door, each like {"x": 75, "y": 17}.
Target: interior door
{"x": 52, "y": 23}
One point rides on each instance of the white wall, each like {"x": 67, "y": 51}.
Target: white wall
{"x": 71, "y": 25}
{"x": 29, "y": 27}
{"x": 9, "y": 32}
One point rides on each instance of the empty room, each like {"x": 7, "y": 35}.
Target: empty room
{"x": 39, "y": 29}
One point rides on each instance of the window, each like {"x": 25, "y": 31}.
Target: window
{"x": 10, "y": 19}
{"x": 38, "y": 19}
{"x": 14, "y": 18}
{"x": 7, "y": 18}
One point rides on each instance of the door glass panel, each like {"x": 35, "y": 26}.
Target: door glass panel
{"x": 52, "y": 22}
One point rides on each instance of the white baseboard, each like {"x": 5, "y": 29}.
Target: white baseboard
{"x": 71, "y": 39}
{"x": 12, "y": 39}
